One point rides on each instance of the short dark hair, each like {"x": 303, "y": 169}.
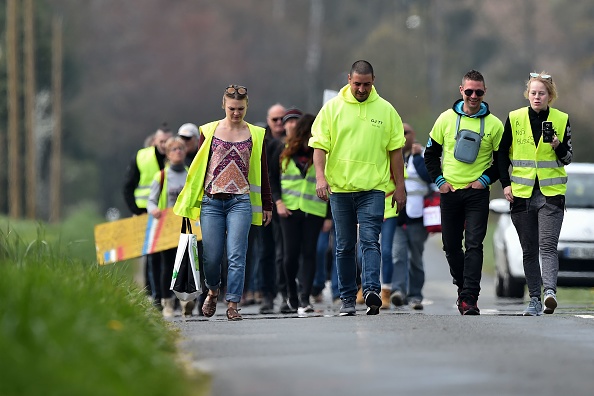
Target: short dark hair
{"x": 473, "y": 75}
{"x": 362, "y": 67}
{"x": 164, "y": 128}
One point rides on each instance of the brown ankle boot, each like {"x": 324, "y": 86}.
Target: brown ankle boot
{"x": 360, "y": 299}
{"x": 385, "y": 294}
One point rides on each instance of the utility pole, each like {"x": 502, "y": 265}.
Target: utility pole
{"x": 56, "y": 154}
{"x": 30, "y": 156}
{"x": 314, "y": 53}
{"x": 13, "y": 142}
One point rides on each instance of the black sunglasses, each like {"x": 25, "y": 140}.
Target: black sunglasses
{"x": 469, "y": 92}
{"x": 236, "y": 89}
{"x": 276, "y": 119}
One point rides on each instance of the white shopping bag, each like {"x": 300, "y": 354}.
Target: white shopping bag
{"x": 185, "y": 281}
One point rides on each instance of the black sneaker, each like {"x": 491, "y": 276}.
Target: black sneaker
{"x": 267, "y": 306}
{"x": 397, "y": 298}
{"x": 416, "y": 304}
{"x": 469, "y": 307}
{"x": 348, "y": 307}
{"x": 373, "y": 302}
{"x": 285, "y": 308}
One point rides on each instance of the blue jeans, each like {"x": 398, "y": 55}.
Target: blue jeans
{"x": 409, "y": 271}
{"x": 367, "y": 209}
{"x": 387, "y": 242}
{"x": 225, "y": 226}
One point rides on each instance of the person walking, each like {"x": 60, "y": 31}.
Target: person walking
{"x": 468, "y": 136}
{"x": 228, "y": 188}
{"x": 166, "y": 186}
{"x": 410, "y": 234}
{"x": 269, "y": 249}
{"x": 357, "y": 139}
{"x": 137, "y": 184}
{"x": 387, "y": 244}
{"x": 301, "y": 212}
{"x": 537, "y": 185}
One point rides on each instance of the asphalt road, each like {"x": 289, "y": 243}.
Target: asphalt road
{"x": 399, "y": 352}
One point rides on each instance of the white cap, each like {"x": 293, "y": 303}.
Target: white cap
{"x": 188, "y": 130}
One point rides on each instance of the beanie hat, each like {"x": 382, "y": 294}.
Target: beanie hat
{"x": 292, "y": 113}
{"x": 188, "y": 130}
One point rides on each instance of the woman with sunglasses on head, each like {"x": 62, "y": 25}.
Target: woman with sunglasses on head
{"x": 228, "y": 188}
{"x": 536, "y": 143}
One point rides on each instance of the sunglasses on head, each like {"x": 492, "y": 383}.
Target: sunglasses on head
{"x": 235, "y": 89}
{"x": 543, "y": 76}
{"x": 478, "y": 92}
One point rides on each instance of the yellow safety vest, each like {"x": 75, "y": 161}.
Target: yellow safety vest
{"x": 530, "y": 162}
{"x": 299, "y": 192}
{"x": 147, "y": 164}
{"x": 162, "y": 204}
{"x": 189, "y": 200}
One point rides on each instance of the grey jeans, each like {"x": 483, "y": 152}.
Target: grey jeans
{"x": 538, "y": 226}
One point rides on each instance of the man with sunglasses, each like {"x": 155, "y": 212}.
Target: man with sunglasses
{"x": 357, "y": 139}
{"x": 468, "y": 136}
{"x": 189, "y": 133}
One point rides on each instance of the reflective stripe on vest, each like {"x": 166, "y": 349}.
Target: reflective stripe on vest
{"x": 147, "y": 164}
{"x": 300, "y": 192}
{"x": 530, "y": 162}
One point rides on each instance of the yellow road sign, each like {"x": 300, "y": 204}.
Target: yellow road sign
{"x": 139, "y": 235}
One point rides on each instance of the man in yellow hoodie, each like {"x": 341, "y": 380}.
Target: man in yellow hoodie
{"x": 357, "y": 139}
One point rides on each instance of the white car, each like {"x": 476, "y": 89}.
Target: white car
{"x": 576, "y": 242}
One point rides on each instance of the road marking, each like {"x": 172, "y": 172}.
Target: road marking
{"x": 585, "y": 316}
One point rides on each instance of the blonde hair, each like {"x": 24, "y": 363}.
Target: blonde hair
{"x": 172, "y": 141}
{"x": 548, "y": 83}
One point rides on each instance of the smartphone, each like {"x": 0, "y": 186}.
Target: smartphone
{"x": 547, "y": 131}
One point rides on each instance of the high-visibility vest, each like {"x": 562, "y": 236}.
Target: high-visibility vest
{"x": 147, "y": 164}
{"x": 190, "y": 199}
{"x": 299, "y": 192}
{"x": 530, "y": 162}
{"x": 161, "y": 178}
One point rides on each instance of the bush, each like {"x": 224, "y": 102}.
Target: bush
{"x": 69, "y": 327}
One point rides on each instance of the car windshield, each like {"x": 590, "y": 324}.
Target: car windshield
{"x": 580, "y": 190}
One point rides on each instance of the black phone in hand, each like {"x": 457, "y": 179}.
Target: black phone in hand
{"x": 547, "y": 131}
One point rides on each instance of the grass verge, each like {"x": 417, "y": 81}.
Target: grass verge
{"x": 71, "y": 327}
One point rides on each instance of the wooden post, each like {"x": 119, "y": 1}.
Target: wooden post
{"x": 30, "y": 152}
{"x": 56, "y": 154}
{"x": 13, "y": 141}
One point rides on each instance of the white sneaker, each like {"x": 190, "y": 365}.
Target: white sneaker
{"x": 306, "y": 309}
{"x": 550, "y": 301}
{"x": 168, "y": 307}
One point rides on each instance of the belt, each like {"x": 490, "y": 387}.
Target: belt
{"x": 220, "y": 196}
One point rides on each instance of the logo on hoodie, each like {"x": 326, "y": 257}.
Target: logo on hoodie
{"x": 376, "y": 123}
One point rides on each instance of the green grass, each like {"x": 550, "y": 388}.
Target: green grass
{"x": 71, "y": 327}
